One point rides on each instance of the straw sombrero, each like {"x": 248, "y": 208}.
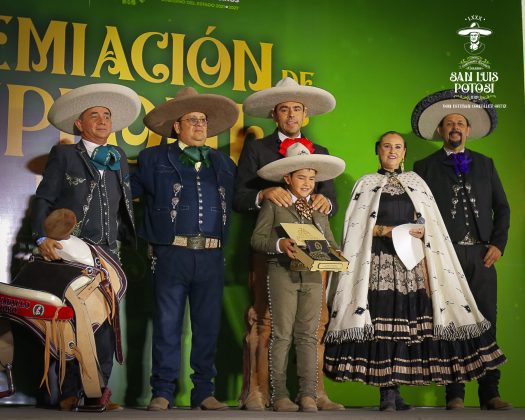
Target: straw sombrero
{"x": 429, "y": 112}
{"x": 299, "y": 155}
{"x": 123, "y": 103}
{"x": 220, "y": 111}
{"x": 261, "y": 104}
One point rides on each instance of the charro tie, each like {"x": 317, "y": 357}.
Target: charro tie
{"x": 192, "y": 154}
{"x": 303, "y": 208}
{"x": 106, "y": 157}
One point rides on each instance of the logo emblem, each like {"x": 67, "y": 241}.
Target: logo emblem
{"x": 38, "y": 310}
{"x": 474, "y": 33}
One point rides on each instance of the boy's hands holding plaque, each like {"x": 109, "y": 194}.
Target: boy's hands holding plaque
{"x": 287, "y": 245}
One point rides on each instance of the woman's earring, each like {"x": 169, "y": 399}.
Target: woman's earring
{"x": 402, "y": 165}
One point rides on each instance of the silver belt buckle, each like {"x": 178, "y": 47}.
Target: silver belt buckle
{"x": 468, "y": 240}
{"x": 196, "y": 242}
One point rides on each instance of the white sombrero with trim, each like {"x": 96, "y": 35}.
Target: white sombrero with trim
{"x": 299, "y": 157}
{"x": 474, "y": 27}
{"x": 123, "y": 103}
{"x": 316, "y": 100}
{"x": 221, "y": 112}
{"x": 429, "y": 112}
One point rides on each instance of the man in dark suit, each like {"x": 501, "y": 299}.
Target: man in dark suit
{"x": 91, "y": 179}
{"x": 187, "y": 189}
{"x": 474, "y": 207}
{"x": 287, "y": 104}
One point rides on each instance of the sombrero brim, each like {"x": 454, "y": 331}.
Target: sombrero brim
{"x": 326, "y": 166}
{"x": 468, "y": 31}
{"x": 123, "y": 103}
{"x": 429, "y": 112}
{"x": 261, "y": 104}
{"x": 220, "y": 111}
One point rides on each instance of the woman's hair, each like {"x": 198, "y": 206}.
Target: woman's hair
{"x": 382, "y": 136}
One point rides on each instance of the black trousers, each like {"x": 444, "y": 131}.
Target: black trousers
{"x": 483, "y": 284}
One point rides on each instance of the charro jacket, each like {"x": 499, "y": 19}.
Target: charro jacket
{"x": 158, "y": 180}
{"x": 71, "y": 181}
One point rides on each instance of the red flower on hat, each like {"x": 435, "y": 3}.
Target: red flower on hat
{"x": 286, "y": 143}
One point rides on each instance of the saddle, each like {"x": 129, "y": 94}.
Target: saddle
{"x": 64, "y": 303}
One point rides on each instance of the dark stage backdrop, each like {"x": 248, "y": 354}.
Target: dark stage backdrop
{"x": 378, "y": 58}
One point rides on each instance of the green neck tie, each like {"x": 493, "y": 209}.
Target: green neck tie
{"x": 192, "y": 154}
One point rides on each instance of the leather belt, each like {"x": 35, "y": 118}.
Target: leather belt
{"x": 196, "y": 242}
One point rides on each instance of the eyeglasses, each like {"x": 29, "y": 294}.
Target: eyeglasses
{"x": 196, "y": 121}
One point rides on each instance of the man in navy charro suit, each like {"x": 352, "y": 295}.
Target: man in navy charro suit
{"x": 187, "y": 189}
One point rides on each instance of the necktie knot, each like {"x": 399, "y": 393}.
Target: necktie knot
{"x": 304, "y": 209}
{"x": 106, "y": 157}
{"x": 461, "y": 162}
{"x": 192, "y": 154}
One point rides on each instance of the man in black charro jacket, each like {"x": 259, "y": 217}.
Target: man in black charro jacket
{"x": 474, "y": 207}
{"x": 91, "y": 179}
{"x": 288, "y": 104}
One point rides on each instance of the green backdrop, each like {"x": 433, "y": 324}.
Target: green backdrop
{"x": 377, "y": 58}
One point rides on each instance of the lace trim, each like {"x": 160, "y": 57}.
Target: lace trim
{"x": 387, "y": 272}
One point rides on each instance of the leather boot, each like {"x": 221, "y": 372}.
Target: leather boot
{"x": 308, "y": 404}
{"x": 158, "y": 404}
{"x": 210, "y": 403}
{"x": 496, "y": 403}
{"x": 387, "y": 400}
{"x": 324, "y": 403}
{"x": 285, "y": 405}
{"x": 253, "y": 402}
{"x": 455, "y": 404}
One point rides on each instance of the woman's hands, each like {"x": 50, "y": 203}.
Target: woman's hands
{"x": 418, "y": 232}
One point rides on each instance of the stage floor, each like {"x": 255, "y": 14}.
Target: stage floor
{"x": 29, "y": 412}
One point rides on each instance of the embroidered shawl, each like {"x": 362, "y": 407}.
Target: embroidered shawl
{"x": 455, "y": 313}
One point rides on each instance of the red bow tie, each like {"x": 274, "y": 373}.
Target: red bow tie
{"x": 286, "y": 143}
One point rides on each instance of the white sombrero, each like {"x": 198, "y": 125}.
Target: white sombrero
{"x": 261, "y": 104}
{"x": 474, "y": 27}
{"x": 221, "y": 112}
{"x": 122, "y": 102}
{"x": 429, "y": 112}
{"x": 299, "y": 157}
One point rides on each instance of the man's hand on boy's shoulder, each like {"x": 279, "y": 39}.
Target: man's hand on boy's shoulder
{"x": 321, "y": 203}
{"x": 277, "y": 195}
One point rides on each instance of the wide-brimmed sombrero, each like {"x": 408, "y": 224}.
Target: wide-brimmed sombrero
{"x": 429, "y": 112}
{"x": 299, "y": 155}
{"x": 122, "y": 102}
{"x": 316, "y": 100}
{"x": 474, "y": 27}
{"x": 59, "y": 224}
{"x": 221, "y": 112}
